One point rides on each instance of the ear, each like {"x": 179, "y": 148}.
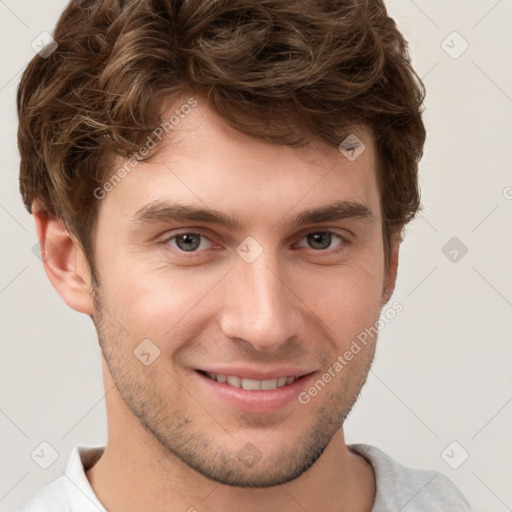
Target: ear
{"x": 64, "y": 261}
{"x": 391, "y": 269}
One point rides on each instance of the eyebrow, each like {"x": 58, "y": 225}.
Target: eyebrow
{"x": 163, "y": 211}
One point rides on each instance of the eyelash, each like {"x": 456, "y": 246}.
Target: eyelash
{"x": 343, "y": 241}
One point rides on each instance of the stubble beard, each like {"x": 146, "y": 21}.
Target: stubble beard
{"x": 179, "y": 436}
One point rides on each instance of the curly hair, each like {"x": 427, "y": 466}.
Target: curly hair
{"x": 283, "y": 72}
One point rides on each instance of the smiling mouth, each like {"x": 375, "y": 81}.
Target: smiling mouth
{"x": 251, "y": 384}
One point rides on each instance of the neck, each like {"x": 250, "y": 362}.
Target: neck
{"x": 136, "y": 473}
{"x": 130, "y": 480}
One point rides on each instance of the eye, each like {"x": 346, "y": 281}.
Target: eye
{"x": 321, "y": 240}
{"x": 193, "y": 242}
{"x": 188, "y": 241}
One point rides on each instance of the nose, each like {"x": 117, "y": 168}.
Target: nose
{"x": 261, "y": 305}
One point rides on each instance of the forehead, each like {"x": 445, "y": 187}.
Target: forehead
{"x": 204, "y": 162}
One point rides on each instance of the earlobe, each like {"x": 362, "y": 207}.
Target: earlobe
{"x": 64, "y": 261}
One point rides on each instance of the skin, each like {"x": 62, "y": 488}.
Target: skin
{"x": 172, "y": 443}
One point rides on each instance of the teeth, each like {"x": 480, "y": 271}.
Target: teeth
{"x": 234, "y": 381}
{"x": 269, "y": 384}
{"x": 252, "y": 384}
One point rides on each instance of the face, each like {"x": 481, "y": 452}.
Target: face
{"x": 266, "y": 288}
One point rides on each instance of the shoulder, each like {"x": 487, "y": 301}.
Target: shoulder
{"x": 72, "y": 491}
{"x": 53, "y": 497}
{"x": 399, "y": 486}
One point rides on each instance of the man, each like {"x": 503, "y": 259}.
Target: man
{"x": 222, "y": 187}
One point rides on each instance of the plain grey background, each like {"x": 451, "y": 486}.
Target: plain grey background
{"x": 441, "y": 385}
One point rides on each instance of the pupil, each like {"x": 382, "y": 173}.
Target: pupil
{"x": 188, "y": 238}
{"x": 317, "y": 237}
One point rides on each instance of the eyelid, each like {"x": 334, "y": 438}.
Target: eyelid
{"x": 344, "y": 240}
{"x": 344, "y": 234}
{"x": 170, "y": 235}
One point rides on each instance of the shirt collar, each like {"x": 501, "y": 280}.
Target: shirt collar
{"x": 80, "y": 493}
{"x": 83, "y": 499}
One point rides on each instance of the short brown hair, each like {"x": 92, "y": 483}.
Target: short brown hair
{"x": 284, "y": 72}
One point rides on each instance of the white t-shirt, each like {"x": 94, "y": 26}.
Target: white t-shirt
{"x": 398, "y": 487}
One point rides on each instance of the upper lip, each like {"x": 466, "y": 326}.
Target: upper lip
{"x": 251, "y": 373}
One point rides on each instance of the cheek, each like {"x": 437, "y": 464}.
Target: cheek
{"x": 163, "y": 303}
{"x": 160, "y": 302}
{"x": 347, "y": 300}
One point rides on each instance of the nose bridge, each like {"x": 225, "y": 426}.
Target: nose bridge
{"x": 260, "y": 307}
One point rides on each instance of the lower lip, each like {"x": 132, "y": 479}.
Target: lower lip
{"x": 257, "y": 401}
